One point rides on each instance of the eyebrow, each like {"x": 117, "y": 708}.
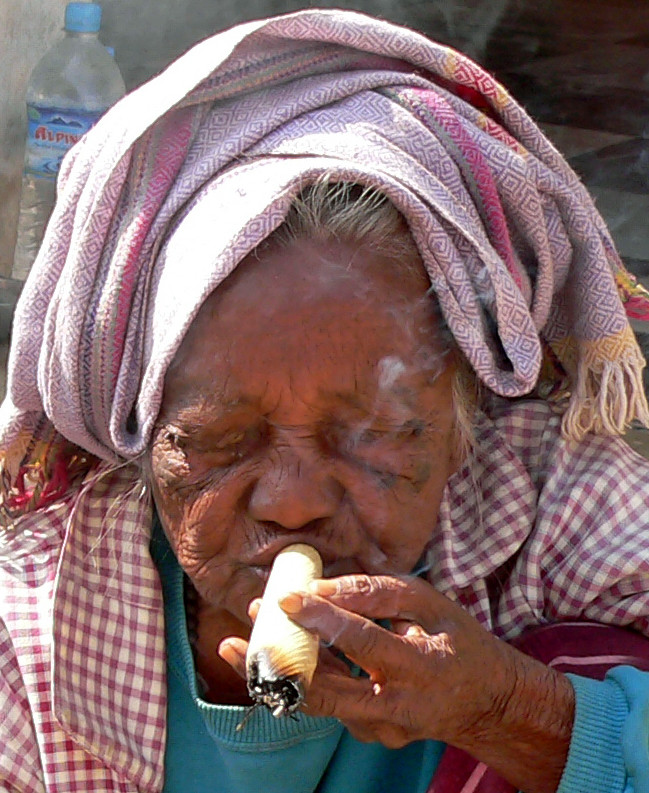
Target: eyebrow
{"x": 379, "y": 412}
{"x": 347, "y": 399}
{"x": 208, "y": 412}
{"x": 406, "y": 393}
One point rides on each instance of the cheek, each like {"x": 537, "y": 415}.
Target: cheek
{"x": 200, "y": 521}
{"x": 399, "y": 511}
{"x": 208, "y": 537}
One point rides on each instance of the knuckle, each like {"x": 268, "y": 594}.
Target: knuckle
{"x": 320, "y": 705}
{"x": 364, "y": 585}
{"x": 404, "y": 591}
{"x": 367, "y": 639}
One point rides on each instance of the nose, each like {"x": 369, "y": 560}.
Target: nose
{"x": 294, "y": 488}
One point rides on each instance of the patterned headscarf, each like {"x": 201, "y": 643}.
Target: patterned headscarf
{"x": 188, "y": 174}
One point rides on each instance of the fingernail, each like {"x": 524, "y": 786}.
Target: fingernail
{"x": 324, "y": 588}
{"x": 291, "y": 603}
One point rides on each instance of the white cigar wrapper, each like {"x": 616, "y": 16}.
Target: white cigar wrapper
{"x": 282, "y": 656}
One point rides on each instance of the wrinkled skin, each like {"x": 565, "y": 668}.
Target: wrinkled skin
{"x": 311, "y": 402}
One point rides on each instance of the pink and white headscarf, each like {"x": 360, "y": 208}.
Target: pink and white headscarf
{"x": 185, "y": 176}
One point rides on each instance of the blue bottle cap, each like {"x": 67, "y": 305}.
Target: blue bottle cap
{"x": 83, "y": 17}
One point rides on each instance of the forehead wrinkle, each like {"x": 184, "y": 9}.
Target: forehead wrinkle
{"x": 373, "y": 407}
{"x": 408, "y": 393}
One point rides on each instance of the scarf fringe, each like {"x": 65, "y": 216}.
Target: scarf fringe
{"x": 607, "y": 400}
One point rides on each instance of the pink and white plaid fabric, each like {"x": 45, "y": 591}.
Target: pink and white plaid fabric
{"x": 188, "y": 175}
{"x": 562, "y": 534}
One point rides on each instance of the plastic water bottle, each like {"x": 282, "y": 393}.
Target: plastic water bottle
{"x": 74, "y": 83}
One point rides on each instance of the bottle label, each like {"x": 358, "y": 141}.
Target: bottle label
{"x": 51, "y": 132}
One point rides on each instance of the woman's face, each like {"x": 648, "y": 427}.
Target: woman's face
{"x": 309, "y": 402}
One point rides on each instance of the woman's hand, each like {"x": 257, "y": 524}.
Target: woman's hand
{"x": 437, "y": 674}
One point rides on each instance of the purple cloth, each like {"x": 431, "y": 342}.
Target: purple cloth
{"x": 185, "y": 176}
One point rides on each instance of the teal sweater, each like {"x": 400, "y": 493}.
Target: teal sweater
{"x": 206, "y": 753}
{"x": 608, "y": 754}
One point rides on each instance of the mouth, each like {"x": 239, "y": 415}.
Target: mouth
{"x": 333, "y": 566}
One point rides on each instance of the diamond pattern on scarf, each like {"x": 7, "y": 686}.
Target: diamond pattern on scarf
{"x": 314, "y": 81}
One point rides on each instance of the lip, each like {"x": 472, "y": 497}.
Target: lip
{"x": 332, "y": 564}
{"x": 265, "y": 556}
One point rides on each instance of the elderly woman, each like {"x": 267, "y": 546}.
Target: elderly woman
{"x": 295, "y": 290}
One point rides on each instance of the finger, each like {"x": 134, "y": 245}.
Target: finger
{"x": 369, "y": 714}
{"x": 408, "y": 628}
{"x": 366, "y": 644}
{"x": 253, "y": 609}
{"x": 361, "y": 731}
{"x": 344, "y": 698}
{"x": 329, "y": 660}
{"x": 233, "y": 650}
{"x": 382, "y": 596}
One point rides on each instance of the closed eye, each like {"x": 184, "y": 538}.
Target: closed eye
{"x": 202, "y": 446}
{"x": 231, "y": 446}
{"x": 348, "y": 439}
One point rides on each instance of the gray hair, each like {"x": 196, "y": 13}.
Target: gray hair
{"x": 327, "y": 210}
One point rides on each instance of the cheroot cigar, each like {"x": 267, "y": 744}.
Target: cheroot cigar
{"x": 282, "y": 656}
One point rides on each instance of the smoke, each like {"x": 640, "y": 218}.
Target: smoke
{"x": 391, "y": 369}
